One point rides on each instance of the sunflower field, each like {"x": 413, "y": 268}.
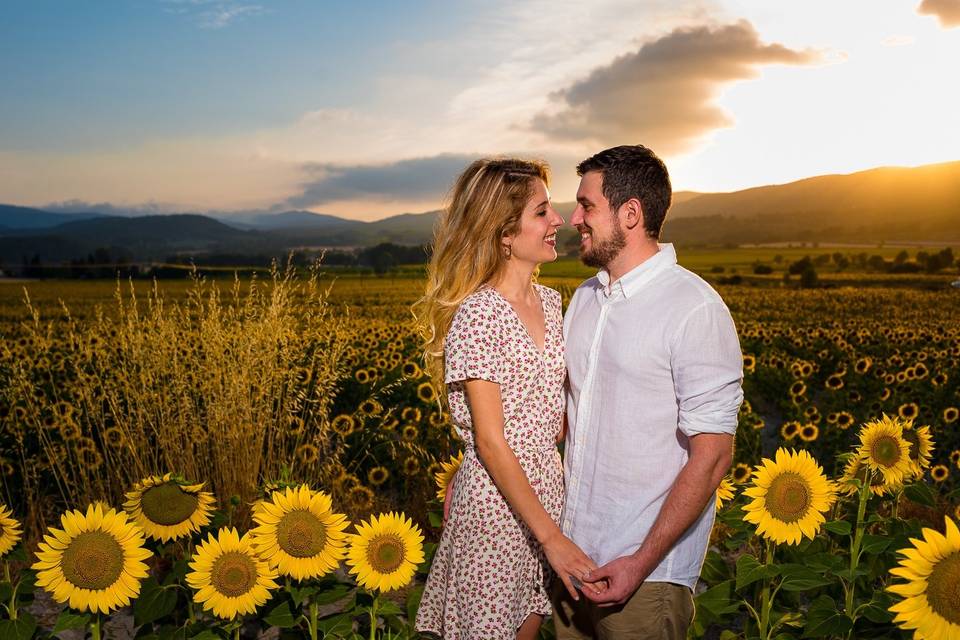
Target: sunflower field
{"x": 225, "y": 459}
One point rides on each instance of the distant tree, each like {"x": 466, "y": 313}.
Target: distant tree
{"x": 798, "y": 267}
{"x": 717, "y": 269}
{"x": 902, "y": 257}
{"x": 877, "y": 263}
{"x": 808, "y": 279}
{"x": 822, "y": 260}
{"x": 843, "y": 263}
{"x": 778, "y": 259}
{"x": 761, "y": 269}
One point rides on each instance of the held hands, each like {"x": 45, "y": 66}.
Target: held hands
{"x": 623, "y": 577}
{"x": 568, "y": 561}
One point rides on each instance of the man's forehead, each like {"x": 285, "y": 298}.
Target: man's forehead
{"x": 592, "y": 181}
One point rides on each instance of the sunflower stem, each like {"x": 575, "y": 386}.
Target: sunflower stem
{"x": 373, "y": 618}
{"x": 766, "y": 603}
{"x": 95, "y": 627}
{"x": 313, "y": 619}
{"x": 857, "y": 541}
{"x": 236, "y": 632}
{"x": 12, "y": 609}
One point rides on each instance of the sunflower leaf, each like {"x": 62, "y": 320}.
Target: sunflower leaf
{"x": 388, "y": 608}
{"x": 796, "y": 577}
{"x": 921, "y": 493}
{"x": 874, "y": 544}
{"x": 839, "y": 527}
{"x": 749, "y": 570}
{"x": 153, "y": 603}
{"x": 413, "y": 602}
{"x": 20, "y": 629}
{"x": 68, "y": 620}
{"x": 336, "y": 625}
{"x": 823, "y": 619}
{"x": 281, "y": 616}
{"x": 436, "y": 519}
{"x": 877, "y": 610}
{"x": 333, "y": 594}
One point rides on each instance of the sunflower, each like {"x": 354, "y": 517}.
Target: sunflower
{"x": 446, "y": 475}
{"x": 377, "y": 476}
{"x": 411, "y": 466}
{"x": 834, "y": 382}
{"x": 343, "y": 424}
{"x": 411, "y": 414}
{"x": 370, "y": 407}
{"x": 790, "y": 496}
{"x": 308, "y": 454}
{"x": 166, "y": 509}
{"x": 411, "y": 369}
{"x": 749, "y": 362}
{"x": 950, "y": 414}
{"x": 932, "y": 570}
{"x": 298, "y": 533}
{"x": 798, "y": 388}
{"x": 410, "y": 432}
{"x": 844, "y": 420}
{"x": 939, "y": 472}
{"x": 740, "y": 473}
{"x": 361, "y": 376}
{"x": 724, "y": 492}
{"x": 228, "y": 575}
{"x": 809, "y": 432}
{"x": 908, "y": 411}
{"x": 856, "y": 470}
{"x": 385, "y": 552}
{"x": 360, "y": 497}
{"x": 95, "y": 563}
{"x": 883, "y": 449}
{"x": 10, "y": 531}
{"x": 921, "y": 447}
{"x": 789, "y": 430}
{"x": 426, "y": 392}
{"x": 955, "y": 457}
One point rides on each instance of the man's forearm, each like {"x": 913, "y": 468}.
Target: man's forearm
{"x": 691, "y": 492}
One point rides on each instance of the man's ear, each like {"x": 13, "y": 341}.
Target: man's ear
{"x": 632, "y": 213}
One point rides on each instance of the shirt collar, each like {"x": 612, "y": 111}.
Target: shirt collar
{"x": 634, "y": 280}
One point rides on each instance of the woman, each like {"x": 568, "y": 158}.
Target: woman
{"x": 495, "y": 339}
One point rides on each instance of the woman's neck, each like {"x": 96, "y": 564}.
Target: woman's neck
{"x": 515, "y": 281}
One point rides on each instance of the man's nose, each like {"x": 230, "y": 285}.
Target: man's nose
{"x": 577, "y": 216}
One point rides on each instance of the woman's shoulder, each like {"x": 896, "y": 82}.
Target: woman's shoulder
{"x": 479, "y": 306}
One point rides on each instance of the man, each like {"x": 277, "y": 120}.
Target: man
{"x": 655, "y": 373}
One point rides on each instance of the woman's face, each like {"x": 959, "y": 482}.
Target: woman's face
{"x": 536, "y": 240}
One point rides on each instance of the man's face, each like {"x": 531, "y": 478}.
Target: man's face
{"x": 601, "y": 238}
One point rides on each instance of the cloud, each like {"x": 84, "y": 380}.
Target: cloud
{"x": 413, "y": 179}
{"x": 947, "y": 11}
{"x": 663, "y": 94}
{"x": 214, "y": 14}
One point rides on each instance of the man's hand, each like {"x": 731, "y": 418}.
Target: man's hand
{"x": 623, "y": 577}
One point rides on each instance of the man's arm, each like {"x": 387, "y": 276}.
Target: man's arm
{"x": 710, "y": 457}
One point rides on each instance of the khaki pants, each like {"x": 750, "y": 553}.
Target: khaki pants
{"x": 657, "y": 611}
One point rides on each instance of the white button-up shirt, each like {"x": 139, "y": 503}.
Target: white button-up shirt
{"x": 652, "y": 359}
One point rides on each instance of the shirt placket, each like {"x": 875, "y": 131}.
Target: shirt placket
{"x": 584, "y": 411}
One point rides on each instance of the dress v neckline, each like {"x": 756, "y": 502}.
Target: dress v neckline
{"x": 546, "y": 329}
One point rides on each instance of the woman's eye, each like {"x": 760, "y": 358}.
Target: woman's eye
{"x": 541, "y": 213}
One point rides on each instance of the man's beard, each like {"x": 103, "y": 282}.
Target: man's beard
{"x": 603, "y": 252}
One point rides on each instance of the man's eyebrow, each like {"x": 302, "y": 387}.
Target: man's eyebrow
{"x": 583, "y": 200}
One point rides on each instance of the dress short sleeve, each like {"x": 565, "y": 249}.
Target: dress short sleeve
{"x": 474, "y": 347}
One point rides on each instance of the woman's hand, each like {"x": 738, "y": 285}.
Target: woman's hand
{"x": 448, "y": 498}
{"x": 569, "y": 561}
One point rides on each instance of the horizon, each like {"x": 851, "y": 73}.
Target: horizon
{"x": 327, "y": 114}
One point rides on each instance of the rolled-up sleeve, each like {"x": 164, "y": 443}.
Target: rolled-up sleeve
{"x": 707, "y": 371}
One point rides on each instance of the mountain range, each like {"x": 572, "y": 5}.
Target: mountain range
{"x": 920, "y": 204}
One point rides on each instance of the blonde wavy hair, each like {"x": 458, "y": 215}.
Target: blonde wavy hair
{"x": 485, "y": 205}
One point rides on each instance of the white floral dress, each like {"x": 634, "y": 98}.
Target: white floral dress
{"x": 489, "y": 572}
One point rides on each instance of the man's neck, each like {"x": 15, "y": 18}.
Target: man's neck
{"x": 631, "y": 257}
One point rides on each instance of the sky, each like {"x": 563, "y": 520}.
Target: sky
{"x": 369, "y": 109}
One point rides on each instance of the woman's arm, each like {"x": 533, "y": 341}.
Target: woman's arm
{"x": 501, "y": 463}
